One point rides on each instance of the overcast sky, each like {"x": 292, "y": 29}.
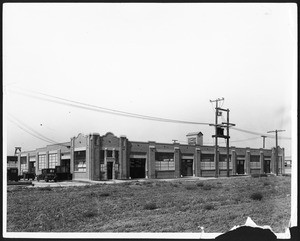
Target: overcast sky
{"x": 161, "y": 60}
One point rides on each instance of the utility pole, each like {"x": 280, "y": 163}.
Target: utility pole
{"x": 276, "y": 149}
{"x": 264, "y": 137}
{"x": 216, "y": 136}
{"x": 220, "y": 134}
{"x": 227, "y": 137}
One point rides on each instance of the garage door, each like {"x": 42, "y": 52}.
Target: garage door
{"x": 137, "y": 167}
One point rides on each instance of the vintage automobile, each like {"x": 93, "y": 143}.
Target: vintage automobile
{"x": 59, "y": 173}
{"x": 12, "y": 174}
{"x": 48, "y": 174}
{"x": 27, "y": 176}
{"x": 63, "y": 173}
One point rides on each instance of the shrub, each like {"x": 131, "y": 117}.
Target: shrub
{"x": 104, "y": 194}
{"x": 190, "y": 187}
{"x": 89, "y": 214}
{"x": 259, "y": 175}
{"x": 200, "y": 184}
{"x": 256, "y": 196}
{"x": 208, "y": 207}
{"x": 237, "y": 200}
{"x": 206, "y": 187}
{"x": 150, "y": 206}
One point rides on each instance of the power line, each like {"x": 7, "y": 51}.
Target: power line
{"x": 32, "y": 134}
{"x": 81, "y": 105}
{"x": 257, "y": 133}
{"x": 102, "y": 109}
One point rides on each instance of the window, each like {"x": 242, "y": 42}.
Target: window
{"x": 23, "y": 164}
{"x": 207, "y": 157}
{"x": 223, "y": 158}
{"x": 109, "y": 153}
{"x": 164, "y": 161}
{"x": 192, "y": 140}
{"x": 42, "y": 162}
{"x": 102, "y": 153}
{"x": 12, "y": 162}
{"x": 255, "y": 158}
{"x": 79, "y": 161}
{"x": 52, "y": 160}
{"x": 117, "y": 156}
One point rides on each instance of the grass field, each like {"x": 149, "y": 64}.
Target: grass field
{"x": 151, "y": 206}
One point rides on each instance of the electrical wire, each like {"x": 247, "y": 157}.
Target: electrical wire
{"x": 81, "y": 105}
{"x": 31, "y": 129}
{"x": 85, "y": 106}
{"x": 32, "y": 134}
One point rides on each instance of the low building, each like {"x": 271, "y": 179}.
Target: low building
{"x": 96, "y": 157}
{"x": 12, "y": 161}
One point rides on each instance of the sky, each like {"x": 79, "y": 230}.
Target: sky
{"x": 153, "y": 59}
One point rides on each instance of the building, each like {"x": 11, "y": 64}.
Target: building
{"x": 12, "y": 161}
{"x": 96, "y": 157}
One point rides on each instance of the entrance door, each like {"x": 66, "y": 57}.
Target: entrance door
{"x": 109, "y": 170}
{"x": 65, "y": 163}
{"x": 240, "y": 167}
{"x": 187, "y": 167}
{"x": 267, "y": 165}
{"x": 31, "y": 168}
{"x": 137, "y": 167}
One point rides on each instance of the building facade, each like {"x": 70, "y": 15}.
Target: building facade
{"x": 96, "y": 157}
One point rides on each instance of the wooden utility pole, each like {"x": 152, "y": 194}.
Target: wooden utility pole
{"x": 216, "y": 136}
{"x": 276, "y": 149}
{"x": 220, "y": 134}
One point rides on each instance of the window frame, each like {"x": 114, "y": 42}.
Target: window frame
{"x": 42, "y": 160}
{"x": 165, "y": 157}
{"x": 79, "y": 161}
{"x": 50, "y": 160}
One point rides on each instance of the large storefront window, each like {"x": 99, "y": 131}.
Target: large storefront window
{"x": 42, "y": 162}
{"x": 80, "y": 161}
{"x": 164, "y": 161}
{"x": 52, "y": 160}
{"x": 207, "y": 157}
{"x": 24, "y": 167}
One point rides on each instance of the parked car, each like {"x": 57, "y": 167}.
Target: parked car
{"x": 12, "y": 174}
{"x": 27, "y": 176}
{"x": 48, "y": 174}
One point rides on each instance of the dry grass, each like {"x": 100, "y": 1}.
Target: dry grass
{"x": 152, "y": 206}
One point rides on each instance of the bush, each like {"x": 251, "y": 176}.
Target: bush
{"x": 255, "y": 175}
{"x": 190, "y": 187}
{"x": 208, "y": 207}
{"x": 104, "y": 194}
{"x": 150, "y": 206}
{"x": 200, "y": 184}
{"x": 256, "y": 196}
{"x": 206, "y": 187}
{"x": 89, "y": 214}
